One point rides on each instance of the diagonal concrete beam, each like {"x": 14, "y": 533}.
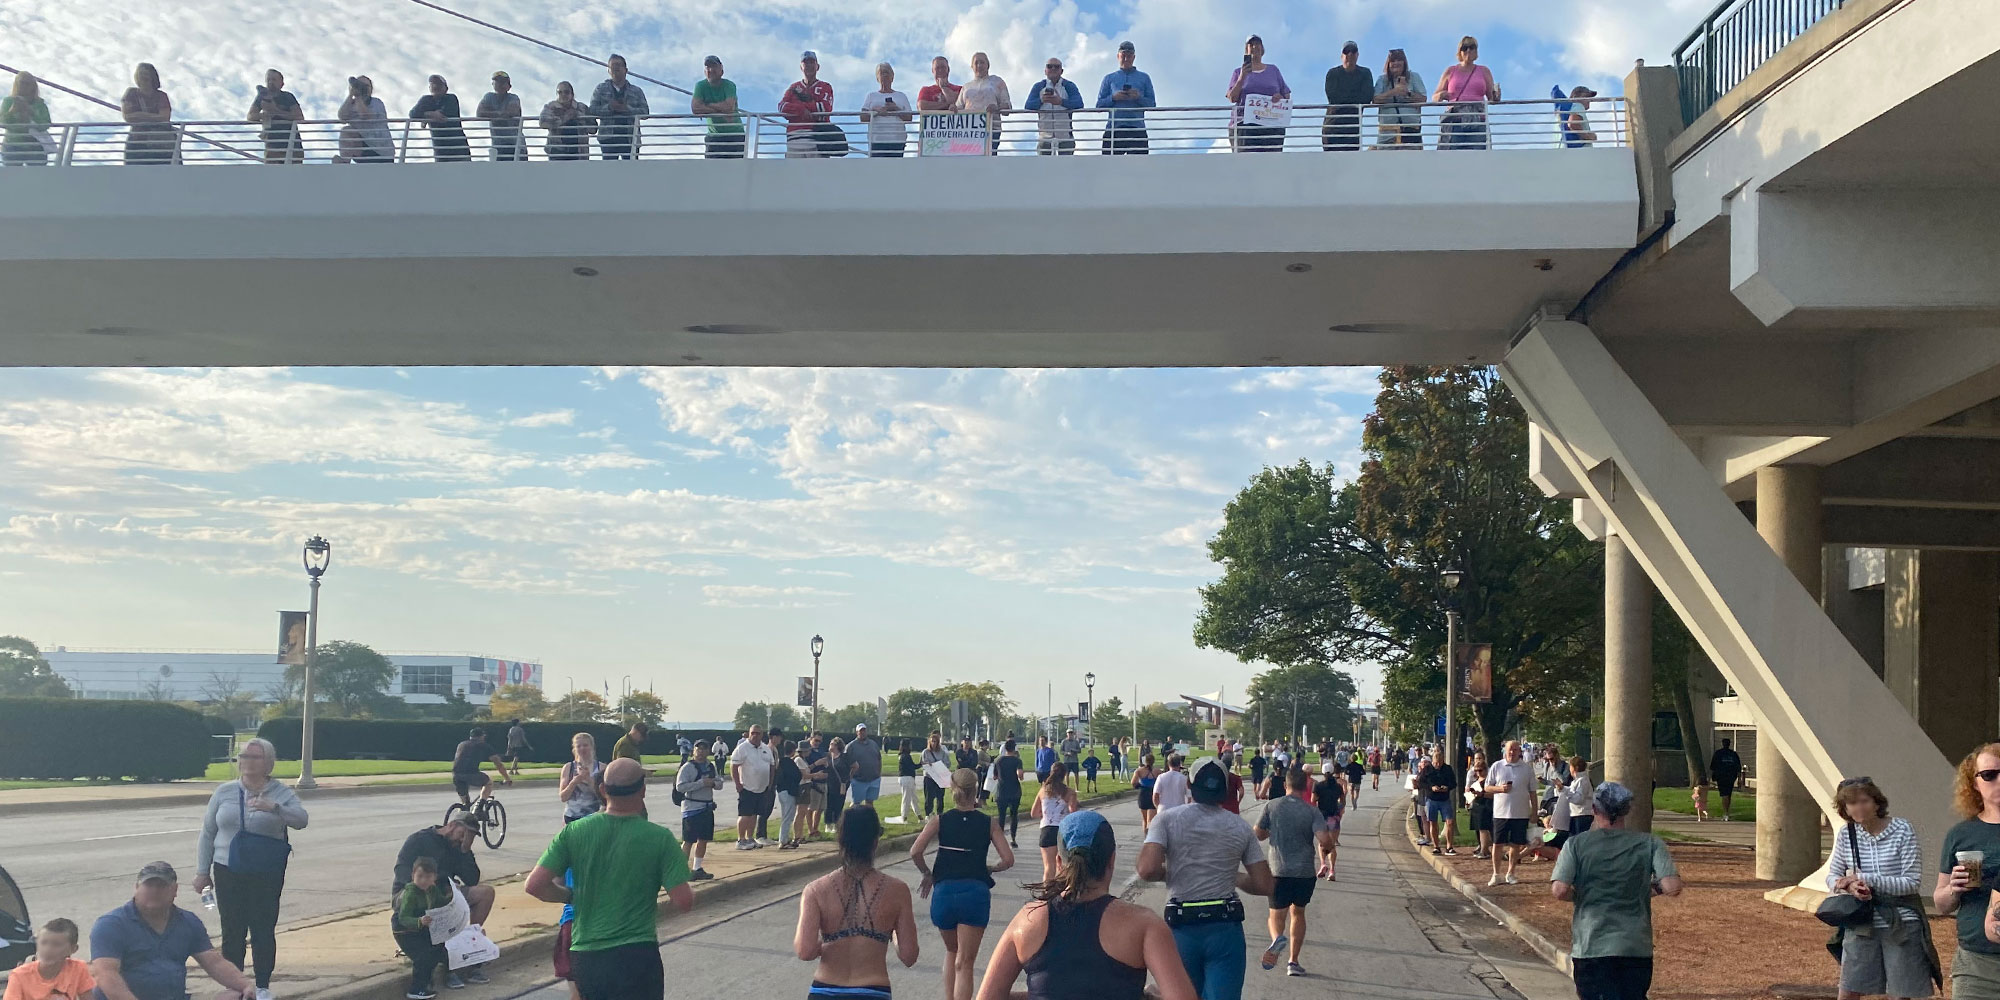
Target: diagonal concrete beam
{"x": 1818, "y": 702}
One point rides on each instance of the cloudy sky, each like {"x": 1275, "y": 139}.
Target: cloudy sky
{"x": 693, "y": 527}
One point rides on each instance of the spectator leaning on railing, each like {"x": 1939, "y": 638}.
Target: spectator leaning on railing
{"x": 567, "y": 122}
{"x": 887, "y": 113}
{"x": 1127, "y": 92}
{"x": 942, "y": 94}
{"x": 149, "y": 110}
{"x": 26, "y": 119}
{"x": 1399, "y": 91}
{"x": 618, "y": 104}
{"x": 279, "y": 113}
{"x": 365, "y": 137}
{"x": 985, "y": 94}
{"x": 1255, "y": 78}
{"x": 439, "y": 112}
{"x": 1054, "y": 99}
{"x": 501, "y": 111}
{"x": 715, "y": 96}
{"x": 809, "y": 134}
{"x": 1348, "y": 88}
{"x": 1468, "y": 86}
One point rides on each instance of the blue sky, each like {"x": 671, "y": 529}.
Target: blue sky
{"x": 694, "y": 527}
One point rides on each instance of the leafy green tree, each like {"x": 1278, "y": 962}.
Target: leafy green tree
{"x": 1110, "y": 721}
{"x": 989, "y": 702}
{"x": 582, "y": 705}
{"x": 24, "y": 674}
{"x": 913, "y": 712}
{"x": 1316, "y": 572}
{"x": 1158, "y": 722}
{"x": 349, "y": 678}
{"x": 1322, "y": 696}
{"x": 769, "y": 714}
{"x": 642, "y": 706}
{"x": 841, "y": 721}
{"x": 518, "y": 701}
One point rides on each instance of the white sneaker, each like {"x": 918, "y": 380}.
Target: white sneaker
{"x": 1495, "y": 880}
{"x": 744, "y": 845}
{"x": 263, "y": 993}
{"x": 766, "y": 842}
{"x": 1511, "y": 880}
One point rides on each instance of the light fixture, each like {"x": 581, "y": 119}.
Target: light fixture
{"x": 584, "y": 272}
{"x": 1090, "y": 679}
{"x": 818, "y": 644}
{"x": 318, "y": 554}
{"x": 1451, "y": 578}
{"x": 1298, "y": 267}
{"x": 1544, "y": 264}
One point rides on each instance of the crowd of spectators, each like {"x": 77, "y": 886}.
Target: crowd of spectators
{"x": 1258, "y": 95}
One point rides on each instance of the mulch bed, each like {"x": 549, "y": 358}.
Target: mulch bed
{"x": 1720, "y": 940}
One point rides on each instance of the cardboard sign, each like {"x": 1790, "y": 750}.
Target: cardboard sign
{"x": 1266, "y": 111}
{"x": 951, "y": 134}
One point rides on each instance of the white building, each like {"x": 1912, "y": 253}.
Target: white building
{"x": 125, "y": 674}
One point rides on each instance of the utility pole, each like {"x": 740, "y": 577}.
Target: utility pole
{"x": 1453, "y": 743}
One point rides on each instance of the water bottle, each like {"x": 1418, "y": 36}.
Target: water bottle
{"x": 208, "y": 897}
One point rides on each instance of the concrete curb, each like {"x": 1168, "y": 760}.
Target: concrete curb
{"x": 539, "y": 946}
{"x": 1534, "y": 939}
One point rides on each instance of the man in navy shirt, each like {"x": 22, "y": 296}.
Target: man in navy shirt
{"x": 139, "y": 951}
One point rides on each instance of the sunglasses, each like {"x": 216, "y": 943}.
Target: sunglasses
{"x": 1990, "y": 774}
{"x": 1864, "y": 780}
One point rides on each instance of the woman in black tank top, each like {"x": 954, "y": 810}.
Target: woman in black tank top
{"x": 1078, "y": 942}
{"x": 960, "y": 887}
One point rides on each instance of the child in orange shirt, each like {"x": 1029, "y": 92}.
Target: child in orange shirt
{"x": 54, "y": 974}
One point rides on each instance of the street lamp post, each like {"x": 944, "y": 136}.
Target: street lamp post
{"x": 1451, "y": 578}
{"x": 818, "y": 645}
{"x": 318, "y": 555}
{"x": 1090, "y": 707}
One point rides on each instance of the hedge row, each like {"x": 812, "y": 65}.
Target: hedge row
{"x": 403, "y": 739}
{"x": 65, "y": 738}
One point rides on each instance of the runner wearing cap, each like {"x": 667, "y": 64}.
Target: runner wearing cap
{"x": 1075, "y": 939}
{"x": 140, "y": 950}
{"x": 1205, "y": 853}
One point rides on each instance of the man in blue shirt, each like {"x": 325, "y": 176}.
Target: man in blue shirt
{"x": 1127, "y": 92}
{"x": 139, "y": 951}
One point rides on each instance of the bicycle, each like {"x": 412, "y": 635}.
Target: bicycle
{"x": 487, "y": 817}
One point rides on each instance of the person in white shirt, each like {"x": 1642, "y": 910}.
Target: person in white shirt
{"x": 887, "y": 112}
{"x": 1511, "y": 783}
{"x": 985, "y": 94}
{"x": 754, "y": 770}
{"x": 1171, "y": 788}
{"x": 1052, "y": 100}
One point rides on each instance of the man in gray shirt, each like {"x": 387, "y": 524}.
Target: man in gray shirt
{"x": 864, "y": 760}
{"x": 1297, "y": 833}
{"x": 1071, "y": 748}
{"x": 501, "y": 111}
{"x": 695, "y": 786}
{"x": 1205, "y": 853}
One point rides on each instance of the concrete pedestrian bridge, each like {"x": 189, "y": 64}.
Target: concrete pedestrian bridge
{"x": 1775, "y": 280}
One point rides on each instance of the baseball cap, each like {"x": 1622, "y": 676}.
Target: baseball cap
{"x": 1081, "y": 830}
{"x": 809, "y": 55}
{"x": 859, "y": 726}
{"x": 501, "y": 74}
{"x": 1350, "y": 46}
{"x": 1254, "y": 39}
{"x": 158, "y": 871}
{"x": 1127, "y": 46}
{"x": 1582, "y": 91}
{"x": 1209, "y": 782}
{"x": 711, "y": 60}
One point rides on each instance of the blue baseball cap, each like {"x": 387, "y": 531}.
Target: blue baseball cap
{"x": 1080, "y": 830}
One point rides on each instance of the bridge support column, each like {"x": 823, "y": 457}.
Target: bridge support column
{"x": 1820, "y": 707}
{"x": 1788, "y": 518}
{"x": 1628, "y": 678}
{"x": 1941, "y": 643}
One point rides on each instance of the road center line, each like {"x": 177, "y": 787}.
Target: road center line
{"x": 123, "y": 836}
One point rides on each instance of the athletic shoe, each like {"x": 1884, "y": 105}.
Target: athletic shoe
{"x": 263, "y": 993}
{"x": 1271, "y": 954}
{"x": 700, "y": 875}
{"x": 789, "y": 845}
{"x": 1437, "y": 852}
{"x": 744, "y": 845}
{"x": 1453, "y": 851}
{"x": 420, "y": 995}
{"x": 766, "y": 842}
{"x": 1294, "y": 969}
{"x": 1511, "y": 880}
{"x": 1423, "y": 842}
{"x": 476, "y": 977}
{"x": 1495, "y": 880}
{"x": 452, "y": 982}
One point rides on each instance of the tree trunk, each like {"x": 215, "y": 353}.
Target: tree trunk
{"x": 1697, "y": 755}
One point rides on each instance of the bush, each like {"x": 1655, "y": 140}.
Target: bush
{"x": 65, "y": 738}
{"x": 401, "y": 739}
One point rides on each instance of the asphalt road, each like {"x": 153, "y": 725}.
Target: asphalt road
{"x": 1386, "y": 930}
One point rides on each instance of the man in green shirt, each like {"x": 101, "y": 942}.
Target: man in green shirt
{"x": 1612, "y": 875}
{"x": 621, "y": 863}
{"x": 716, "y": 98}
{"x": 631, "y": 745}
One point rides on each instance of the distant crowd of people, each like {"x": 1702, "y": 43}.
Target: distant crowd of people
{"x": 611, "y": 118}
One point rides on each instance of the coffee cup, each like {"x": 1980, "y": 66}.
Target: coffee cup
{"x": 1974, "y": 863}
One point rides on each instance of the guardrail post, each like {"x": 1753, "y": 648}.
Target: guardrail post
{"x": 66, "y": 152}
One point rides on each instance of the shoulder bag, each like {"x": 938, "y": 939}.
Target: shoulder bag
{"x": 254, "y": 853}
{"x": 1843, "y": 909}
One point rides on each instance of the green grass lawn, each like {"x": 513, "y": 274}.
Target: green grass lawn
{"x": 1742, "y": 808}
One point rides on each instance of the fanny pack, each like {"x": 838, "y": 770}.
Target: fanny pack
{"x": 1187, "y": 913}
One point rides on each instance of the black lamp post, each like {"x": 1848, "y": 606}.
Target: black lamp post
{"x": 1090, "y": 707}
{"x": 1451, "y": 577}
{"x": 818, "y": 645}
{"x": 318, "y": 554}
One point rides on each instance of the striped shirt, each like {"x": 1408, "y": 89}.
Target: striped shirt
{"x": 1890, "y": 862}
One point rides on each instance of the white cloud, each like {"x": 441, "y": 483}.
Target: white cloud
{"x": 551, "y": 418}
{"x": 757, "y": 596}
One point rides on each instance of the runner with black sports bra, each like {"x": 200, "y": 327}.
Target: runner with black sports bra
{"x": 960, "y": 887}
{"x": 1055, "y": 801}
{"x": 1078, "y": 942}
{"x": 1142, "y": 779}
{"x": 847, "y": 917}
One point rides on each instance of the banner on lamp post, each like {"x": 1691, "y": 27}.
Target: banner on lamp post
{"x": 1475, "y": 671}
{"x": 805, "y": 698}
{"x": 292, "y": 637}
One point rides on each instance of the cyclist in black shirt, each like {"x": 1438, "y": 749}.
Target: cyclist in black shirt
{"x": 465, "y": 763}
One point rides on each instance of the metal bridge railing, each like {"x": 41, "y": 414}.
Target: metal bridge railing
{"x": 1737, "y": 37}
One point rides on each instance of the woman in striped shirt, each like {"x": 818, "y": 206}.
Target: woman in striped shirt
{"x": 1875, "y": 858}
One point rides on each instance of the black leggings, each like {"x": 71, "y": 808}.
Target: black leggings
{"x": 933, "y": 798}
{"x": 248, "y": 904}
{"x": 1010, "y": 810}
{"x": 424, "y": 957}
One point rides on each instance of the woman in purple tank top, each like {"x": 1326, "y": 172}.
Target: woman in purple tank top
{"x": 1076, "y": 941}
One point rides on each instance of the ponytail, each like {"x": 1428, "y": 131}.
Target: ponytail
{"x": 1082, "y": 866}
{"x": 965, "y": 788}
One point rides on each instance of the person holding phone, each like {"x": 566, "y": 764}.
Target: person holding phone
{"x": 278, "y": 112}
{"x": 1053, "y": 100}
{"x": 887, "y": 113}
{"x": 1127, "y": 92}
{"x": 1256, "y": 77}
{"x": 365, "y": 137}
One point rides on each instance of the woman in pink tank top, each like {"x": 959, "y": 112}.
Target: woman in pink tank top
{"x": 1466, "y": 86}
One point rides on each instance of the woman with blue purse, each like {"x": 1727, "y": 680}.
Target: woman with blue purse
{"x": 241, "y": 855}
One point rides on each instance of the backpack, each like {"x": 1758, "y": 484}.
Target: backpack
{"x": 700, "y": 771}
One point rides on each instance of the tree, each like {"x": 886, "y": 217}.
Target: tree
{"x": 913, "y": 712}
{"x": 770, "y": 715}
{"x": 642, "y": 706}
{"x": 1324, "y": 698}
{"x": 578, "y": 706}
{"x": 841, "y": 721}
{"x": 518, "y": 701}
{"x": 1157, "y": 722}
{"x": 1109, "y": 721}
{"x": 1320, "y": 573}
{"x": 24, "y": 674}
{"x": 351, "y": 679}
{"x": 989, "y": 703}
{"x": 225, "y": 697}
